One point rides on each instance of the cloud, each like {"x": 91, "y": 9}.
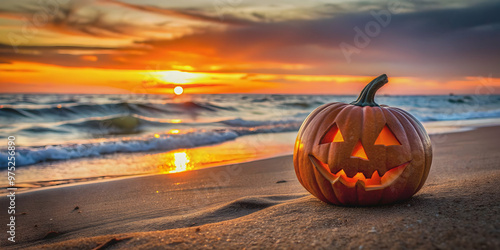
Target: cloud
{"x": 427, "y": 39}
{"x": 19, "y": 70}
{"x": 442, "y": 42}
{"x": 185, "y": 86}
{"x": 74, "y": 56}
{"x": 110, "y": 19}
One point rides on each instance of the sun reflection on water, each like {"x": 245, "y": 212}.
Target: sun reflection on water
{"x": 181, "y": 160}
{"x": 231, "y": 152}
{"x": 174, "y": 131}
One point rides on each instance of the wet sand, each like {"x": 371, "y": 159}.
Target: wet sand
{"x": 261, "y": 205}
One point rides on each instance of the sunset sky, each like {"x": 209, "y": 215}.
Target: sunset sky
{"x": 241, "y": 46}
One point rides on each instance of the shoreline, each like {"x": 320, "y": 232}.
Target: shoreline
{"x": 438, "y": 129}
{"x": 456, "y": 126}
{"x": 261, "y": 204}
{"x": 101, "y": 179}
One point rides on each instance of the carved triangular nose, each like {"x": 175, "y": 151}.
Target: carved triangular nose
{"x": 359, "y": 151}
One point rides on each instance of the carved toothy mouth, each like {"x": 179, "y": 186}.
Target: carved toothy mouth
{"x": 375, "y": 182}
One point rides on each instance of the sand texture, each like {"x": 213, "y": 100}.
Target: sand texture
{"x": 262, "y": 205}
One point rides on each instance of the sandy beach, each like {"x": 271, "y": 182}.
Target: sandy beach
{"x": 261, "y": 204}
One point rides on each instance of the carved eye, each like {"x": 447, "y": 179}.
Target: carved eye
{"x": 387, "y": 138}
{"x": 332, "y": 135}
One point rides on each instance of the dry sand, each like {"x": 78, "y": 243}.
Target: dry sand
{"x": 243, "y": 206}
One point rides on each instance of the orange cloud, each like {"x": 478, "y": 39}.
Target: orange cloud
{"x": 54, "y": 79}
{"x": 89, "y": 58}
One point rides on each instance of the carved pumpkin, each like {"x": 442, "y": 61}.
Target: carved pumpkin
{"x": 362, "y": 153}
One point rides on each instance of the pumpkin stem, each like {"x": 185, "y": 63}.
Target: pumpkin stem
{"x": 367, "y": 96}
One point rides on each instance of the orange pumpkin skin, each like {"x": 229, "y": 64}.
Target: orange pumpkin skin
{"x": 391, "y": 164}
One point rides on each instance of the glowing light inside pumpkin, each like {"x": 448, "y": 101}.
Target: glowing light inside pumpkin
{"x": 359, "y": 152}
{"x": 387, "y": 138}
{"x": 375, "y": 182}
{"x": 333, "y": 135}
{"x": 178, "y": 90}
{"x": 181, "y": 160}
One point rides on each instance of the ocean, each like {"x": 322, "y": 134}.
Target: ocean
{"x": 68, "y": 137}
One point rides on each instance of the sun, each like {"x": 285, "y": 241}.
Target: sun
{"x": 178, "y": 90}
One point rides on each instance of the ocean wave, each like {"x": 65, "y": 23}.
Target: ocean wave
{"x": 134, "y": 124}
{"x": 264, "y": 99}
{"x": 40, "y": 129}
{"x": 238, "y": 122}
{"x": 427, "y": 117}
{"x": 100, "y": 126}
{"x": 8, "y": 112}
{"x": 115, "y": 125}
{"x": 211, "y": 107}
{"x": 31, "y": 155}
{"x": 302, "y": 104}
{"x": 81, "y": 110}
{"x": 127, "y": 124}
{"x": 16, "y": 99}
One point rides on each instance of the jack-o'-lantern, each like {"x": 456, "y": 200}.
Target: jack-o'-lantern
{"x": 362, "y": 153}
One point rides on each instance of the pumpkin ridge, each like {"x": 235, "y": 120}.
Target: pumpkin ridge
{"x": 387, "y": 197}
{"x": 322, "y": 187}
{"x": 423, "y": 148}
{"x": 314, "y": 186}
{"x": 418, "y": 126}
{"x": 388, "y": 114}
{"x": 363, "y": 118}
{"x": 398, "y": 116}
{"x": 329, "y": 187}
{"x": 304, "y": 125}
{"x": 385, "y": 121}
{"x": 344, "y": 112}
{"x": 338, "y": 109}
{"x": 356, "y": 114}
{"x": 342, "y": 108}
